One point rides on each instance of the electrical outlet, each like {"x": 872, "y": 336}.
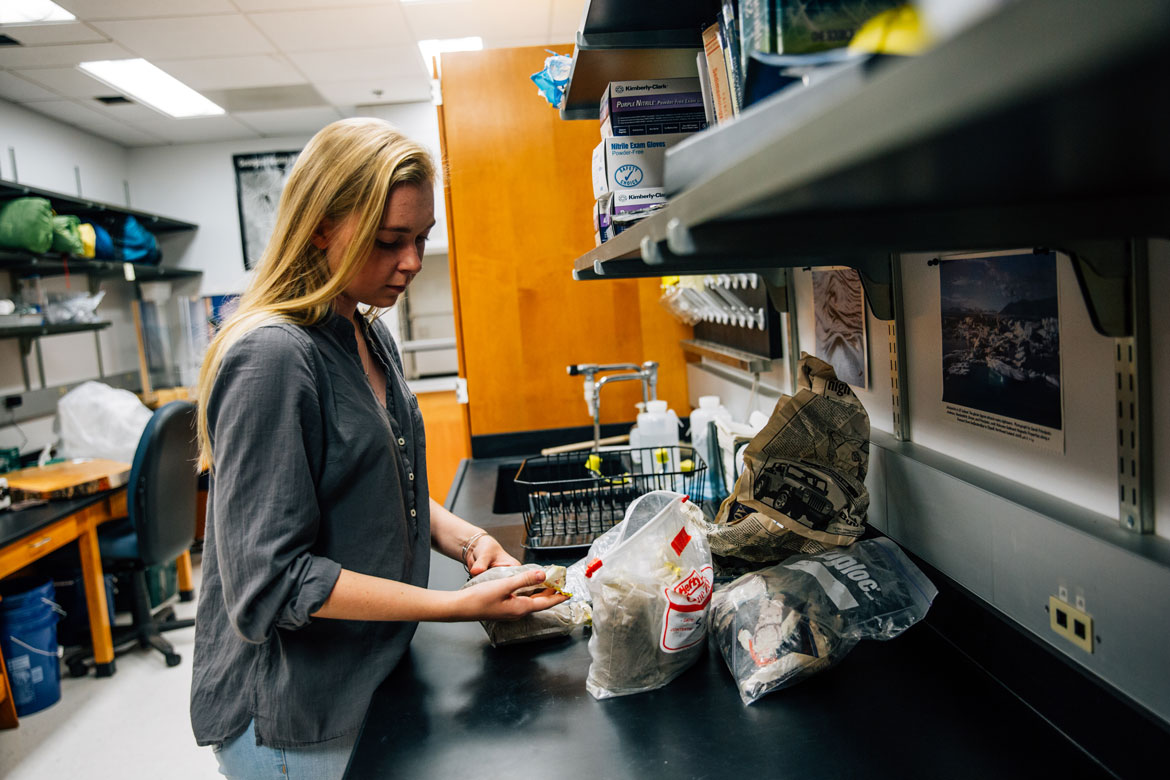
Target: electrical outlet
{"x": 1073, "y": 624}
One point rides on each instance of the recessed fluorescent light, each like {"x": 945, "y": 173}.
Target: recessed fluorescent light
{"x": 433, "y": 47}
{"x": 150, "y": 85}
{"x": 32, "y": 12}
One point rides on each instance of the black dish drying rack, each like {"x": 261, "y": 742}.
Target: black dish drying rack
{"x": 571, "y": 498}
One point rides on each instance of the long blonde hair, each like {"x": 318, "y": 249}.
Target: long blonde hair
{"x": 348, "y": 168}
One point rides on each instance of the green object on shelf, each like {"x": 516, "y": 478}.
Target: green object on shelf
{"x": 9, "y": 459}
{"x": 67, "y": 235}
{"x": 27, "y": 223}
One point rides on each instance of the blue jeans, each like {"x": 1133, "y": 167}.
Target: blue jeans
{"x": 242, "y": 759}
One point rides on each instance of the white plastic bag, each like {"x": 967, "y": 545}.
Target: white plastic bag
{"x": 99, "y": 421}
{"x": 650, "y": 597}
{"x": 546, "y": 624}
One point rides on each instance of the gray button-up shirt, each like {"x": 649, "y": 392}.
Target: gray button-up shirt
{"x": 312, "y": 474}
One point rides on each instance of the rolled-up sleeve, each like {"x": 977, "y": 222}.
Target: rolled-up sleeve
{"x": 267, "y": 433}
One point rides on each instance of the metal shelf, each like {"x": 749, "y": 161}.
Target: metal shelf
{"x": 744, "y": 361}
{"x": 1042, "y": 125}
{"x": 22, "y": 263}
{"x": 36, "y": 331}
{"x": 621, "y": 41}
{"x": 91, "y": 209}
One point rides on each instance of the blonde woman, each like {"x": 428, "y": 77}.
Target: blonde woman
{"x": 319, "y": 524}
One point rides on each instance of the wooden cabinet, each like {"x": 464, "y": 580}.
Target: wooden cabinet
{"x": 518, "y": 203}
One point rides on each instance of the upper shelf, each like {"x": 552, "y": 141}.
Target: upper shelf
{"x": 621, "y": 41}
{"x": 25, "y": 263}
{"x": 1043, "y": 125}
{"x": 91, "y": 209}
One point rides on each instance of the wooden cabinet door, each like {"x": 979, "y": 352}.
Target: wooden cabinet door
{"x": 519, "y": 200}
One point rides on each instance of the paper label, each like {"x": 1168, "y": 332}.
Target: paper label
{"x": 685, "y": 623}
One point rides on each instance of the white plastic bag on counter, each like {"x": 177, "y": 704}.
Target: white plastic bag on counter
{"x": 640, "y": 511}
{"x": 777, "y": 626}
{"x": 650, "y": 598}
{"x": 546, "y": 624}
{"x": 99, "y": 421}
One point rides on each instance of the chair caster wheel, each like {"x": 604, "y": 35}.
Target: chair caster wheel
{"x": 78, "y": 670}
{"x": 174, "y": 659}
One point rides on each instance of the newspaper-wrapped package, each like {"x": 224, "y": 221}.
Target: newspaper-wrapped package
{"x": 552, "y": 622}
{"x": 802, "y": 487}
{"x": 777, "y": 626}
{"x": 650, "y": 596}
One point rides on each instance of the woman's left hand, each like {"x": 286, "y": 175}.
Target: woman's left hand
{"x": 486, "y": 553}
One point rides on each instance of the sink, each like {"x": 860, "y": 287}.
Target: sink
{"x": 509, "y": 499}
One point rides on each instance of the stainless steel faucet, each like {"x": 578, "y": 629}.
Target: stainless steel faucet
{"x": 647, "y": 373}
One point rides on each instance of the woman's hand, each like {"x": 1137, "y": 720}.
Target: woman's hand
{"x": 496, "y": 600}
{"x": 485, "y": 553}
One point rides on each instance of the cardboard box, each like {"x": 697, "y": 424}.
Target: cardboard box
{"x": 652, "y": 107}
{"x": 631, "y": 162}
{"x": 614, "y": 212}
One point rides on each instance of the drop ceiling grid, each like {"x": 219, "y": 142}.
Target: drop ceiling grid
{"x": 352, "y": 52}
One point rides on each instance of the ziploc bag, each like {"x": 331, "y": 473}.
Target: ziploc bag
{"x": 650, "y": 597}
{"x": 782, "y": 624}
{"x": 546, "y": 624}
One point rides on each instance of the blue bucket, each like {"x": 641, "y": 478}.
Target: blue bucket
{"x": 28, "y": 639}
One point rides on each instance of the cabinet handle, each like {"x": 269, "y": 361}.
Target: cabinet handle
{"x": 40, "y": 543}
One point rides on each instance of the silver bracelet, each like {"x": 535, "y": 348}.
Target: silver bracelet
{"x": 468, "y": 544}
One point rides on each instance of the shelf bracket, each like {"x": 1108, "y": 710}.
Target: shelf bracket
{"x": 877, "y": 279}
{"x": 1135, "y": 441}
{"x": 1104, "y": 271}
{"x": 896, "y": 328}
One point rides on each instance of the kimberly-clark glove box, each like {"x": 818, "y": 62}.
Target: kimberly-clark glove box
{"x": 652, "y": 107}
{"x": 631, "y": 162}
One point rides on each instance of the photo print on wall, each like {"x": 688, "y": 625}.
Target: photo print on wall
{"x": 260, "y": 178}
{"x": 839, "y": 303}
{"x": 1001, "y": 345}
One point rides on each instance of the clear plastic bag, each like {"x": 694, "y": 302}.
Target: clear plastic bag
{"x": 546, "y": 624}
{"x": 99, "y": 421}
{"x": 640, "y": 511}
{"x": 650, "y": 595}
{"x": 782, "y": 624}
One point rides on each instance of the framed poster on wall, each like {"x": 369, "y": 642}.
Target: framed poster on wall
{"x": 1001, "y": 362}
{"x": 260, "y": 178}
{"x": 839, "y": 304}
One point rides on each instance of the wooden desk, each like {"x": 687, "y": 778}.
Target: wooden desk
{"x": 33, "y": 533}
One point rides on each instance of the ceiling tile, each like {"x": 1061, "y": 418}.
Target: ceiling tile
{"x": 259, "y": 70}
{"x": 68, "y": 111}
{"x": 291, "y": 121}
{"x": 19, "y": 90}
{"x": 92, "y": 10}
{"x": 128, "y": 113}
{"x": 565, "y": 20}
{"x": 343, "y": 28}
{"x": 199, "y": 36}
{"x": 248, "y": 6}
{"x": 486, "y": 18}
{"x": 353, "y": 93}
{"x": 359, "y": 64}
{"x": 59, "y": 56}
{"x": 200, "y": 130}
{"x": 41, "y": 34}
{"x": 70, "y": 82}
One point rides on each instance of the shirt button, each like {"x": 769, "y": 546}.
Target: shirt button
{"x": 401, "y": 442}
{"x": 413, "y": 513}
{"x": 411, "y": 477}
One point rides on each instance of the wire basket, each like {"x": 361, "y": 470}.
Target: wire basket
{"x": 571, "y": 498}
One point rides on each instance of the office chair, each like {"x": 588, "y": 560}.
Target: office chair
{"x": 160, "y": 525}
